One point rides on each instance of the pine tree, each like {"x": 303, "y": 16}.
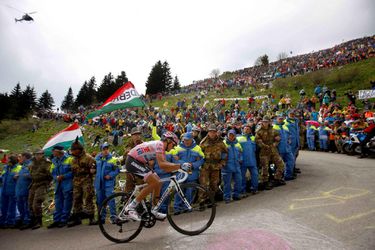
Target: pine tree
{"x": 167, "y": 78}
{"x": 28, "y": 101}
{"x": 46, "y": 102}
{"x": 82, "y": 95}
{"x": 176, "y": 84}
{"x": 121, "y": 79}
{"x": 91, "y": 91}
{"x": 16, "y": 92}
{"x": 5, "y": 104}
{"x": 155, "y": 80}
{"x": 107, "y": 88}
{"x": 29, "y": 95}
{"x": 16, "y": 110}
{"x": 68, "y": 102}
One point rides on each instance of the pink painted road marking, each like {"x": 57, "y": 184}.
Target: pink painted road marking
{"x": 252, "y": 239}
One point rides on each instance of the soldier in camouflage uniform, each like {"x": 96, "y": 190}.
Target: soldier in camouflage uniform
{"x": 83, "y": 168}
{"x": 40, "y": 180}
{"x": 268, "y": 139}
{"x": 136, "y": 139}
{"x": 216, "y": 154}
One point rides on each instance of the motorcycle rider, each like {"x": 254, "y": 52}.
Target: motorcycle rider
{"x": 370, "y": 132}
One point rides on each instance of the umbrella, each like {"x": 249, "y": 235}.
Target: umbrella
{"x": 312, "y": 122}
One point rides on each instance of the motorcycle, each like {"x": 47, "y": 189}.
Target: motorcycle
{"x": 353, "y": 145}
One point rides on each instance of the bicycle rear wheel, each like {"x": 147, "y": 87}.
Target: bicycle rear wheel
{"x": 195, "y": 220}
{"x": 112, "y": 222}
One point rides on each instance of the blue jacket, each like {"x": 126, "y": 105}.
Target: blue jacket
{"x": 234, "y": 157}
{"x": 310, "y": 131}
{"x": 324, "y": 132}
{"x": 161, "y": 173}
{"x": 248, "y": 146}
{"x": 192, "y": 154}
{"x": 9, "y": 183}
{"x": 24, "y": 180}
{"x": 105, "y": 166}
{"x": 284, "y": 146}
{"x": 62, "y": 166}
{"x": 293, "y": 127}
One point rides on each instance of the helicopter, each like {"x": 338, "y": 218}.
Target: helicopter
{"x": 26, "y": 17}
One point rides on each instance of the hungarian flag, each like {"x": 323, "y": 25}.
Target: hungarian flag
{"x": 64, "y": 138}
{"x": 124, "y": 97}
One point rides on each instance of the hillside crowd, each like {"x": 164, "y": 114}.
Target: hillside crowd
{"x": 341, "y": 54}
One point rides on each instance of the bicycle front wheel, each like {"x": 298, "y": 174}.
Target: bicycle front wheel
{"x": 113, "y": 224}
{"x": 194, "y": 220}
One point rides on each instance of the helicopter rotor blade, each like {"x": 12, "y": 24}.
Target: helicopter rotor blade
{"x": 7, "y": 5}
{"x": 32, "y": 12}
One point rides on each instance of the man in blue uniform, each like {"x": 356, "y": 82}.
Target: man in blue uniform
{"x": 61, "y": 171}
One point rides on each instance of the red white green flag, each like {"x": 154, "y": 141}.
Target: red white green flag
{"x": 125, "y": 97}
{"x": 64, "y": 138}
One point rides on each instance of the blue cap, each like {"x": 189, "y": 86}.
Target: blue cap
{"x": 232, "y": 131}
{"x": 187, "y": 136}
{"x": 104, "y": 145}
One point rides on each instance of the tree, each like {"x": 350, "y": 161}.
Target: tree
{"x": 121, "y": 79}
{"x": 46, "y": 102}
{"x": 282, "y": 55}
{"x": 215, "y": 73}
{"x": 5, "y": 104}
{"x": 176, "y": 84}
{"x": 91, "y": 91}
{"x": 262, "y": 61}
{"x": 87, "y": 94}
{"x": 155, "y": 80}
{"x": 167, "y": 77}
{"x": 16, "y": 110}
{"x": 68, "y": 102}
{"x": 160, "y": 78}
{"x": 110, "y": 85}
{"x": 82, "y": 95}
{"x": 27, "y": 101}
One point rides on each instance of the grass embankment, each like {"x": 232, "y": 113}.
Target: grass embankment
{"x": 17, "y": 136}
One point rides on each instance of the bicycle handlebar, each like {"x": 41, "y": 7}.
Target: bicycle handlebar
{"x": 185, "y": 175}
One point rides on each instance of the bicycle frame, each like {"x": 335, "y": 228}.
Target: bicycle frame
{"x": 174, "y": 184}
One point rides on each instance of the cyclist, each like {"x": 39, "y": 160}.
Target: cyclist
{"x": 137, "y": 163}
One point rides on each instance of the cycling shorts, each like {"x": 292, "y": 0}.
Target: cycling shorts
{"x": 137, "y": 168}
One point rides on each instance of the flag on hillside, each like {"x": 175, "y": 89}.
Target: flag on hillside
{"x": 124, "y": 97}
{"x": 64, "y": 138}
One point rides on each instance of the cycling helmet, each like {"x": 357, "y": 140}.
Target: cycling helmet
{"x": 170, "y": 135}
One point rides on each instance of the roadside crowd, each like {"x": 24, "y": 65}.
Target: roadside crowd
{"x": 254, "y": 148}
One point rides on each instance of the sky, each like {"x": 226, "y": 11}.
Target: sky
{"x": 70, "y": 41}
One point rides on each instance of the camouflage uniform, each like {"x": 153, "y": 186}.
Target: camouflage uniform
{"x": 214, "y": 161}
{"x": 83, "y": 188}
{"x": 265, "y": 138}
{"x": 40, "y": 180}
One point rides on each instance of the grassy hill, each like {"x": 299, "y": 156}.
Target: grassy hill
{"x": 17, "y": 136}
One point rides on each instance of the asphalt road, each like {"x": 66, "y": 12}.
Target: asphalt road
{"x": 330, "y": 206}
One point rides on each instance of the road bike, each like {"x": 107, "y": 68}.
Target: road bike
{"x": 190, "y": 209}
